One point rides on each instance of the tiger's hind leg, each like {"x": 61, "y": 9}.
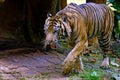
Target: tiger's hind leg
{"x": 104, "y": 42}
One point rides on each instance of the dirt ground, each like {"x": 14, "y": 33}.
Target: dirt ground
{"x": 22, "y": 61}
{"x": 29, "y": 63}
{"x": 17, "y": 63}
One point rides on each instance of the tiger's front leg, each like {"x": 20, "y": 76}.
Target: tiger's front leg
{"x": 72, "y": 62}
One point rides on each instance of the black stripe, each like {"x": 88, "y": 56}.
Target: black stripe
{"x": 105, "y": 45}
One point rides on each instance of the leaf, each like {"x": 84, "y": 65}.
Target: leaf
{"x": 94, "y": 73}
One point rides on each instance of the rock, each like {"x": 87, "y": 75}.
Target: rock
{"x": 116, "y": 76}
{"x": 115, "y": 64}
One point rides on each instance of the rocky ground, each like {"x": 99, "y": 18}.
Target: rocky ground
{"x": 19, "y": 63}
{"x": 29, "y": 63}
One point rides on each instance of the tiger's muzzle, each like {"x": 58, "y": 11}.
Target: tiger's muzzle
{"x": 51, "y": 41}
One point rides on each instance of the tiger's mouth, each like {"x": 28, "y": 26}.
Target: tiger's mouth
{"x": 54, "y": 45}
{"x": 48, "y": 46}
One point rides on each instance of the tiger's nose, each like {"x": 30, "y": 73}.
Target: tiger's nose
{"x": 49, "y": 41}
{"x": 49, "y": 37}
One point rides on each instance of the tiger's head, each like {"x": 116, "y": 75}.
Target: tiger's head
{"x": 53, "y": 27}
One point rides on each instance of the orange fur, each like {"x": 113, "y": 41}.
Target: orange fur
{"x": 82, "y": 24}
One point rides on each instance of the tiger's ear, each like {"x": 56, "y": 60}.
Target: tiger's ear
{"x": 49, "y": 14}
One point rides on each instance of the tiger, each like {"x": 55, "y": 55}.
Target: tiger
{"x": 78, "y": 24}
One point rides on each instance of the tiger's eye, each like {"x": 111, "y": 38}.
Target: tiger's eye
{"x": 56, "y": 29}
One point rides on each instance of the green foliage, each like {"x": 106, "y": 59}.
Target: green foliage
{"x": 1, "y": 76}
{"x": 117, "y": 52}
{"x": 115, "y": 6}
{"x": 22, "y": 78}
{"x": 91, "y": 74}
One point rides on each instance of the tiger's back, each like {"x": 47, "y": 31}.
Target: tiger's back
{"x": 98, "y": 18}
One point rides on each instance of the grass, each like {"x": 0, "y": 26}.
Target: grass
{"x": 22, "y": 78}
{"x": 92, "y": 71}
{"x": 92, "y": 74}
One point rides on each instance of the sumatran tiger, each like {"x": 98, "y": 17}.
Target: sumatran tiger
{"x": 79, "y": 23}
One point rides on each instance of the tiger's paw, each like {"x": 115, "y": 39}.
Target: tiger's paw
{"x": 78, "y": 67}
{"x": 67, "y": 67}
{"x": 106, "y": 63}
{"x": 72, "y": 65}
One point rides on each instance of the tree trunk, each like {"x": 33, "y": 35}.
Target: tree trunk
{"x": 97, "y": 1}
{"x": 63, "y": 3}
{"x": 25, "y": 29}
